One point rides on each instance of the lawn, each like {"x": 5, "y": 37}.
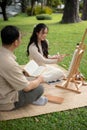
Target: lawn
{"x": 63, "y": 39}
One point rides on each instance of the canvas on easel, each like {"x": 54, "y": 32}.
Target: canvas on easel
{"x": 72, "y": 83}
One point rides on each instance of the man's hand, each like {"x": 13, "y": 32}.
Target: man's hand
{"x": 34, "y": 84}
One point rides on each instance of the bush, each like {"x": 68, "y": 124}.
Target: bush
{"x": 38, "y": 10}
{"x": 43, "y": 17}
{"x": 47, "y": 10}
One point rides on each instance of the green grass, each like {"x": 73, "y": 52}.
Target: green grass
{"x": 63, "y": 39}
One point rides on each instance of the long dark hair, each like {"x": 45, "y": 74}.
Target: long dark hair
{"x": 33, "y": 39}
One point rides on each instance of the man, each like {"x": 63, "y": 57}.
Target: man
{"x": 15, "y": 90}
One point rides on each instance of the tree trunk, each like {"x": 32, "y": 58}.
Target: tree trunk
{"x": 49, "y": 3}
{"x": 3, "y": 8}
{"x": 71, "y": 12}
{"x": 84, "y": 13}
{"x": 23, "y": 6}
{"x": 32, "y": 7}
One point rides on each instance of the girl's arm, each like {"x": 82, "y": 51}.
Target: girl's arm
{"x": 38, "y": 57}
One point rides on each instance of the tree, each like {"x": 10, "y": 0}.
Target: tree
{"x": 54, "y": 3}
{"x": 71, "y": 12}
{"x": 23, "y": 5}
{"x": 32, "y": 6}
{"x": 84, "y": 12}
{"x": 3, "y": 4}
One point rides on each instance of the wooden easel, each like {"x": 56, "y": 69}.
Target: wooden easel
{"x": 72, "y": 79}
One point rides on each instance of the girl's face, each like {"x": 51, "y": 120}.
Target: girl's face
{"x": 42, "y": 34}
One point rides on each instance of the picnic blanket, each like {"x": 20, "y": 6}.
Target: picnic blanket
{"x": 71, "y": 100}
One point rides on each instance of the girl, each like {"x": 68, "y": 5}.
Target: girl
{"x": 37, "y": 49}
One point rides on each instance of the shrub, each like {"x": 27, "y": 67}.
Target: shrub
{"x": 44, "y": 10}
{"x": 38, "y": 10}
{"x": 43, "y": 17}
{"x": 47, "y": 10}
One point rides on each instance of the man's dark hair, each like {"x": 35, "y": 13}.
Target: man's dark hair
{"x": 9, "y": 34}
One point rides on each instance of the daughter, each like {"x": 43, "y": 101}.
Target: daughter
{"x": 37, "y": 50}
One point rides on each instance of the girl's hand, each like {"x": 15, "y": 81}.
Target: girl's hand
{"x": 55, "y": 56}
{"x": 61, "y": 57}
{"x": 58, "y": 56}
